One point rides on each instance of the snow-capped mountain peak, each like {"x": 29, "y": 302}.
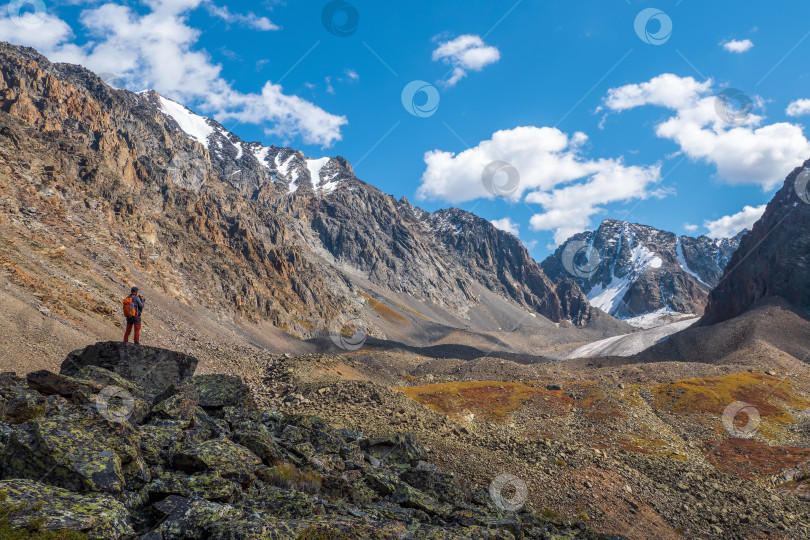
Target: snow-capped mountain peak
{"x": 248, "y": 166}
{"x": 642, "y": 273}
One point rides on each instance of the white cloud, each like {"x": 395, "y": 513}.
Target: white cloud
{"x": 465, "y": 53}
{"x": 552, "y": 172}
{"x": 729, "y": 226}
{"x": 50, "y": 33}
{"x": 666, "y": 90}
{"x": 506, "y": 224}
{"x": 352, "y": 74}
{"x": 158, "y": 49}
{"x": 531, "y": 244}
{"x": 690, "y": 227}
{"x": 749, "y": 153}
{"x": 291, "y": 116}
{"x": 543, "y": 157}
{"x": 737, "y": 46}
{"x": 250, "y": 19}
{"x": 569, "y": 210}
{"x": 800, "y": 107}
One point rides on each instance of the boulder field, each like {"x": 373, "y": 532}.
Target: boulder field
{"x": 125, "y": 442}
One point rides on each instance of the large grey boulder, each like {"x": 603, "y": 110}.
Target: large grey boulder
{"x": 153, "y": 370}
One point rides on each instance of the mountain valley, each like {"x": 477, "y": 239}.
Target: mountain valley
{"x": 635, "y": 384}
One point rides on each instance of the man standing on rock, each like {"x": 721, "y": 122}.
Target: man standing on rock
{"x": 133, "y": 307}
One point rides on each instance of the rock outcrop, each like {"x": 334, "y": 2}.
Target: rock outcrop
{"x": 201, "y": 461}
{"x": 152, "y": 369}
{"x": 773, "y": 260}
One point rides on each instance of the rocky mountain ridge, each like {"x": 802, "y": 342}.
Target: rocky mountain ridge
{"x": 637, "y": 272}
{"x": 513, "y": 274}
{"x": 145, "y": 187}
{"x": 773, "y": 261}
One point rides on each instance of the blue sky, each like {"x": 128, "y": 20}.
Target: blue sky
{"x": 595, "y": 121}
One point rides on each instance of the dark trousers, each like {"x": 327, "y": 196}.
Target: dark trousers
{"x": 137, "y": 328}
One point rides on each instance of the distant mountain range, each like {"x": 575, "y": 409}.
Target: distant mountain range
{"x": 640, "y": 273}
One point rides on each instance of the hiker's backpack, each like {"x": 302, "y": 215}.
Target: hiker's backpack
{"x": 129, "y": 309}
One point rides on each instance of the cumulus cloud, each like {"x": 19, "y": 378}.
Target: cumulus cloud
{"x": 690, "y": 227}
{"x": 800, "y": 107}
{"x": 52, "y": 32}
{"x": 729, "y": 226}
{"x": 666, "y": 90}
{"x": 159, "y": 49}
{"x": 507, "y": 225}
{"x": 737, "y": 46}
{"x": 569, "y": 210}
{"x": 748, "y": 153}
{"x": 551, "y": 172}
{"x": 465, "y": 53}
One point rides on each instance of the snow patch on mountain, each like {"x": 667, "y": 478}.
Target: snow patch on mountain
{"x": 665, "y": 315}
{"x": 609, "y": 297}
{"x": 329, "y": 184}
{"x": 283, "y": 167}
{"x": 315, "y": 166}
{"x": 684, "y": 264}
{"x": 644, "y": 271}
{"x": 260, "y": 154}
{"x": 192, "y": 125}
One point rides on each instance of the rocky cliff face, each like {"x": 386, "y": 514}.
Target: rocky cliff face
{"x": 500, "y": 262}
{"x": 632, "y": 271}
{"x": 773, "y": 260}
{"x": 145, "y": 187}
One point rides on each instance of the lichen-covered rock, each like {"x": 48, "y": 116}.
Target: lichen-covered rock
{"x": 52, "y": 508}
{"x": 49, "y": 383}
{"x": 57, "y": 452}
{"x": 18, "y": 402}
{"x": 399, "y": 449}
{"x": 136, "y": 473}
{"x": 195, "y": 519}
{"x": 292, "y": 434}
{"x": 207, "y": 464}
{"x": 210, "y": 486}
{"x": 315, "y": 528}
{"x": 218, "y": 391}
{"x": 259, "y": 440}
{"x": 438, "y": 484}
{"x": 160, "y": 442}
{"x": 410, "y": 497}
{"x": 152, "y": 369}
{"x": 181, "y": 406}
{"x": 285, "y": 504}
{"x": 222, "y": 455}
{"x": 205, "y": 427}
{"x": 106, "y": 378}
